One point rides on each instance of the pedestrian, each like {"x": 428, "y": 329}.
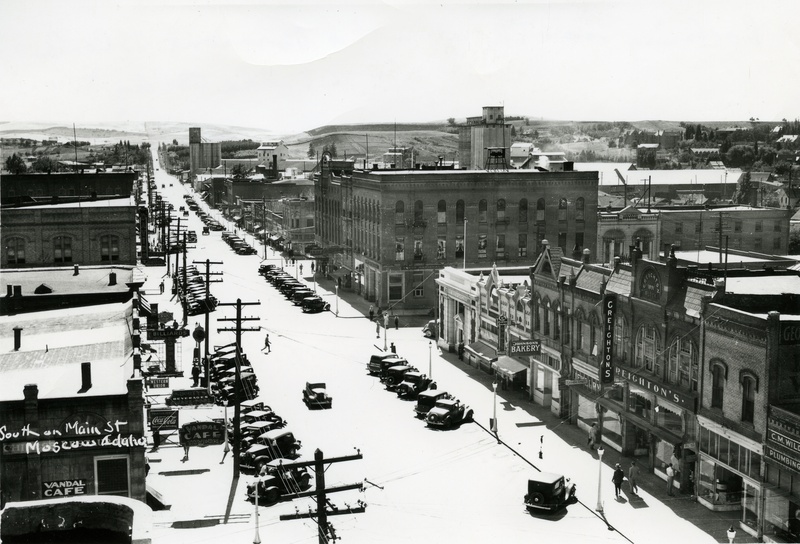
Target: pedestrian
{"x": 396, "y": 323}
{"x": 461, "y": 351}
{"x": 394, "y": 349}
{"x": 267, "y": 345}
{"x": 731, "y": 534}
{"x": 161, "y": 286}
{"x": 312, "y": 268}
{"x": 378, "y": 328}
{"x": 633, "y": 475}
{"x": 301, "y": 269}
{"x": 371, "y": 312}
{"x": 618, "y": 478}
{"x": 670, "y": 479}
{"x": 195, "y": 375}
{"x": 592, "y": 436}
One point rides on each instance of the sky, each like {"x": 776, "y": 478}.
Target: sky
{"x": 288, "y": 67}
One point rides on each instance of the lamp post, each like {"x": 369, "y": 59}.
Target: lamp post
{"x": 337, "y": 300}
{"x": 227, "y": 447}
{"x": 494, "y": 412}
{"x": 385, "y": 328}
{"x": 257, "y": 537}
{"x": 600, "y": 452}
{"x": 430, "y": 359}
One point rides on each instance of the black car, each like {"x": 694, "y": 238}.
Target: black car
{"x": 549, "y": 492}
{"x": 314, "y": 305}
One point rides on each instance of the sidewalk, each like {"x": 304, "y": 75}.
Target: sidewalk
{"x": 715, "y": 524}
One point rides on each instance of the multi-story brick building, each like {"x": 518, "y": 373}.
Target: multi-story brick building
{"x": 50, "y": 188}
{"x": 397, "y": 228}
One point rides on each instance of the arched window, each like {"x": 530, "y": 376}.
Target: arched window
{"x": 749, "y": 383}
{"x": 682, "y": 364}
{"x": 537, "y": 319}
{"x": 579, "y": 330}
{"x": 501, "y": 210}
{"x": 62, "y": 249}
{"x": 540, "y": 210}
{"x": 418, "y": 212}
{"x": 562, "y": 209}
{"x": 719, "y": 374}
{"x": 546, "y": 319}
{"x": 459, "y": 211}
{"x": 15, "y": 251}
{"x": 482, "y": 208}
{"x": 556, "y": 321}
{"x": 441, "y": 212}
{"x": 647, "y": 347}
{"x": 594, "y": 334}
{"x": 109, "y": 247}
{"x": 523, "y": 210}
{"x": 399, "y": 213}
{"x": 580, "y": 205}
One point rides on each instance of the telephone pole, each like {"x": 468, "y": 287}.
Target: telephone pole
{"x": 237, "y": 390}
{"x": 325, "y": 530}
{"x": 209, "y": 309}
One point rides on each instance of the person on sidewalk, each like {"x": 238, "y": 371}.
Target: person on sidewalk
{"x": 301, "y": 269}
{"x": 396, "y": 323}
{"x": 267, "y": 345}
{"x": 371, "y": 312}
{"x": 670, "y": 479}
{"x": 378, "y": 328}
{"x": 592, "y": 440}
{"x": 161, "y": 286}
{"x": 731, "y": 534}
{"x": 393, "y": 348}
{"x": 195, "y": 375}
{"x": 633, "y": 476}
{"x": 618, "y": 478}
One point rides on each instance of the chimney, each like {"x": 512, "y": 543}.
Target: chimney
{"x": 17, "y": 338}
{"x": 76, "y": 270}
{"x": 9, "y": 290}
{"x": 545, "y": 243}
{"x": 587, "y": 256}
{"x": 17, "y": 290}
{"x": 112, "y": 278}
{"x": 86, "y": 376}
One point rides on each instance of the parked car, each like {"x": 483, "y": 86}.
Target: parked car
{"x": 430, "y": 329}
{"x": 395, "y": 375}
{"x": 299, "y": 294}
{"x": 413, "y": 384}
{"x": 315, "y": 395}
{"x": 375, "y": 365}
{"x": 427, "y": 400}
{"x": 448, "y": 413}
{"x": 314, "y": 304}
{"x": 278, "y": 481}
{"x": 549, "y": 492}
{"x": 273, "y": 444}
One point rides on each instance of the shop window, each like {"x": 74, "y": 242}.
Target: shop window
{"x": 523, "y": 210}
{"x": 501, "y": 210}
{"x": 15, "y": 251}
{"x": 719, "y": 373}
{"x": 399, "y": 249}
{"x": 109, "y": 248}
{"x": 395, "y": 286}
{"x": 441, "y": 212}
{"x": 639, "y": 404}
{"x": 111, "y": 475}
{"x": 682, "y": 363}
{"x": 482, "y": 211}
{"x": 399, "y": 213}
{"x": 668, "y": 419}
{"x": 460, "y": 212}
{"x": 62, "y": 249}
{"x": 647, "y": 347}
{"x": 749, "y": 387}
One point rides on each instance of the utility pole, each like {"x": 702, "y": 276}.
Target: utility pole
{"x": 325, "y": 530}
{"x": 184, "y": 281}
{"x": 207, "y": 358}
{"x": 238, "y": 359}
{"x": 264, "y": 223}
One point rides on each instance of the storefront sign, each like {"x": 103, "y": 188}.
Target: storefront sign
{"x": 64, "y": 488}
{"x": 157, "y": 382}
{"x": 202, "y": 433}
{"x": 163, "y": 420}
{"x": 790, "y": 333}
{"x": 606, "y": 361}
{"x": 784, "y": 459}
{"x": 160, "y": 334}
{"x": 525, "y": 347}
{"x": 189, "y": 397}
{"x": 782, "y": 432}
{"x": 672, "y": 395}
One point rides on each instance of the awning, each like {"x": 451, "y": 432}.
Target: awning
{"x": 508, "y": 366}
{"x": 483, "y": 350}
{"x": 144, "y": 306}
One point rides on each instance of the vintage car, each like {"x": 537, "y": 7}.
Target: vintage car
{"x": 379, "y": 362}
{"x": 315, "y": 395}
{"x": 413, "y": 384}
{"x": 314, "y": 304}
{"x": 251, "y": 431}
{"x": 244, "y": 249}
{"x": 266, "y": 267}
{"x": 278, "y": 481}
{"x": 299, "y": 294}
{"x": 427, "y": 400}
{"x": 274, "y": 444}
{"x": 549, "y": 492}
{"x": 395, "y": 375}
{"x": 252, "y": 405}
{"x": 448, "y": 413}
{"x": 430, "y": 328}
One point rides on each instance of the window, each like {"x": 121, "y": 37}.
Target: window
{"x": 501, "y": 246}
{"x": 441, "y": 247}
{"x": 15, "y": 251}
{"x": 523, "y": 245}
{"x": 777, "y": 226}
{"x": 460, "y": 212}
{"x": 537, "y": 316}
{"x": 523, "y": 210}
{"x": 579, "y": 331}
{"x": 501, "y": 211}
{"x": 678, "y": 228}
{"x": 399, "y": 213}
{"x": 682, "y": 364}
{"x": 556, "y": 322}
{"x": 562, "y": 241}
{"x": 698, "y": 227}
{"x": 482, "y": 242}
{"x": 580, "y": 204}
{"x": 759, "y": 226}
{"x": 459, "y": 246}
{"x": 399, "y": 249}
{"x": 482, "y": 209}
{"x": 395, "y": 286}
{"x": 441, "y": 212}
{"x": 418, "y": 215}
{"x": 719, "y": 373}
{"x": 647, "y": 348}
{"x": 578, "y": 243}
{"x": 418, "y": 255}
{"x": 562, "y": 209}
{"x": 749, "y": 386}
{"x": 419, "y": 280}
{"x": 62, "y": 249}
{"x": 540, "y": 210}
{"x": 109, "y": 247}
{"x": 619, "y": 338}
{"x": 111, "y": 475}
{"x": 737, "y": 226}
{"x": 546, "y": 319}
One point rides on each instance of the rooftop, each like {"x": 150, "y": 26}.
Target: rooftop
{"x": 90, "y": 279}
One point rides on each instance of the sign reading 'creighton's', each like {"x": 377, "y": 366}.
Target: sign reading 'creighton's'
{"x": 607, "y": 361}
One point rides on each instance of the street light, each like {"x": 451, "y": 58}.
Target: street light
{"x": 337, "y": 300}
{"x": 257, "y": 537}
{"x": 385, "y": 328}
{"x": 430, "y": 355}
{"x": 494, "y": 411}
{"x": 227, "y": 447}
{"x": 600, "y": 452}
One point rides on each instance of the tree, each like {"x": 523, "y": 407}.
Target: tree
{"x": 740, "y": 156}
{"x": 240, "y": 171}
{"x": 743, "y": 189}
{"x": 689, "y": 135}
{"x": 44, "y": 164}
{"x": 311, "y": 153}
{"x": 174, "y": 141}
{"x": 451, "y": 121}
{"x": 332, "y": 149}
{"x": 16, "y": 164}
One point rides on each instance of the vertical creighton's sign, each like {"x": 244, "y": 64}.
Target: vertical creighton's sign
{"x": 606, "y": 361}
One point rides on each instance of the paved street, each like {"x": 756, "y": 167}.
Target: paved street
{"x": 424, "y": 484}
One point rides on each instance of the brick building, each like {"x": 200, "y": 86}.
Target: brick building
{"x": 49, "y": 188}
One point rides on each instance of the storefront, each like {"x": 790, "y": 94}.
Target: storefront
{"x": 481, "y": 355}
{"x": 781, "y": 519}
{"x": 545, "y": 376}
{"x": 512, "y": 373}
{"x": 588, "y": 398}
{"x": 729, "y": 473}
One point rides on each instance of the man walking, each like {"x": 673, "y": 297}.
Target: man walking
{"x": 633, "y": 475}
{"x": 396, "y": 323}
{"x": 267, "y": 345}
{"x": 161, "y": 286}
{"x": 618, "y": 478}
{"x": 670, "y": 478}
{"x": 592, "y": 436}
{"x": 371, "y": 312}
{"x": 195, "y": 375}
{"x": 378, "y": 328}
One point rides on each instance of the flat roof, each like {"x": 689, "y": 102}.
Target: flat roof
{"x": 98, "y": 203}
{"x": 90, "y": 279}
{"x": 760, "y": 285}
{"x": 705, "y": 256}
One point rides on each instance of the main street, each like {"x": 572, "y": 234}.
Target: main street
{"x": 425, "y": 485}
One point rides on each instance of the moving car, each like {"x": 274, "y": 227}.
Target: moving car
{"x": 315, "y": 395}
{"x": 549, "y": 492}
{"x": 430, "y": 329}
{"x": 448, "y": 413}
